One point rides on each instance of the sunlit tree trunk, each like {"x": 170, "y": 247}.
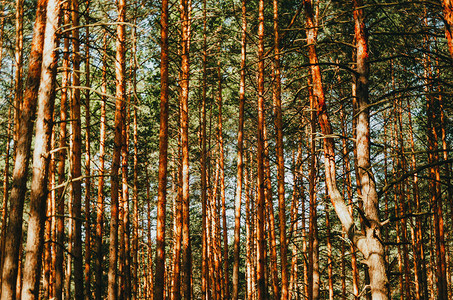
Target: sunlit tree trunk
{"x": 49, "y": 230}
{"x": 205, "y": 286}
{"x": 436, "y": 202}
{"x": 76, "y": 156}
{"x": 348, "y": 188}
{"x": 240, "y": 155}
{"x": 280, "y": 156}
{"x": 270, "y": 219}
{"x": 369, "y": 244}
{"x": 100, "y": 195}
{"x": 120, "y": 99}
{"x": 448, "y": 21}
{"x": 5, "y": 192}
{"x": 184, "y": 105}
{"x": 313, "y": 252}
{"x": 222, "y": 184}
{"x": 260, "y": 159}
{"x": 87, "y": 269}
{"x": 17, "y": 197}
{"x": 374, "y": 250}
{"x": 18, "y": 61}
{"x": 41, "y": 157}
{"x": 135, "y": 234}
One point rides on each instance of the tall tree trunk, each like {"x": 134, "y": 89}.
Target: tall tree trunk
{"x": 436, "y": 198}
{"x": 369, "y": 244}
{"x": 280, "y": 156}
{"x": 14, "y": 230}
{"x": 374, "y": 250}
{"x": 240, "y": 154}
{"x": 135, "y": 234}
{"x": 5, "y": 194}
{"x": 101, "y": 173}
{"x": 206, "y": 294}
{"x": 260, "y": 159}
{"x": 41, "y": 157}
{"x": 59, "y": 236}
{"x": 329, "y": 255}
{"x": 270, "y": 219}
{"x": 313, "y": 251}
{"x": 76, "y": 156}
{"x": 348, "y": 187}
{"x": 184, "y": 105}
{"x": 222, "y": 184}
{"x": 18, "y": 57}
{"x": 125, "y": 204}
{"x": 87, "y": 278}
{"x": 120, "y": 96}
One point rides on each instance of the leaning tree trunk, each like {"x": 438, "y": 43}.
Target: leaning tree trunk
{"x": 41, "y": 157}
{"x": 14, "y": 230}
{"x": 369, "y": 243}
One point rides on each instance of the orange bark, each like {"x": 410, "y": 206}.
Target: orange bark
{"x": 25, "y": 130}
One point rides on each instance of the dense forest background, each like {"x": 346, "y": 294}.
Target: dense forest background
{"x": 205, "y": 149}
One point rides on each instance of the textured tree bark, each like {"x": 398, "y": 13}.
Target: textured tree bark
{"x": 419, "y": 257}
{"x": 18, "y": 57}
{"x": 313, "y": 251}
{"x": 5, "y": 194}
{"x": 184, "y": 106}
{"x": 260, "y": 159}
{"x": 49, "y": 229}
{"x": 177, "y": 232}
{"x": 135, "y": 234}
{"x": 205, "y": 288}
{"x": 329, "y": 255}
{"x": 76, "y": 156}
{"x": 373, "y": 249}
{"x": 447, "y": 6}
{"x": 222, "y": 184}
{"x": 248, "y": 231}
{"x": 41, "y": 157}
{"x": 149, "y": 273}
{"x": 270, "y": 219}
{"x": 369, "y": 244}
{"x": 120, "y": 99}
{"x": 298, "y": 190}
{"x": 101, "y": 173}
{"x": 436, "y": 199}
{"x": 280, "y": 156}
{"x": 59, "y": 236}
{"x": 240, "y": 154}
{"x": 87, "y": 270}
{"x": 14, "y": 229}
